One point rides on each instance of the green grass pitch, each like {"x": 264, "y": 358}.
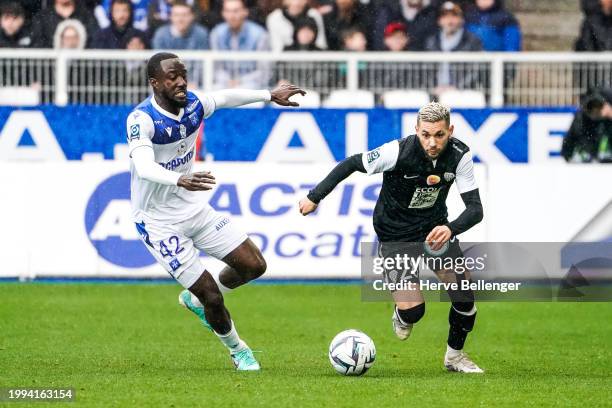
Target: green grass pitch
{"x": 134, "y": 346}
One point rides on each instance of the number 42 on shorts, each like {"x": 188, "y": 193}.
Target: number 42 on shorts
{"x": 172, "y": 248}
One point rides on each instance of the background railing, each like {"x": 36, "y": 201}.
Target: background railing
{"x": 119, "y": 77}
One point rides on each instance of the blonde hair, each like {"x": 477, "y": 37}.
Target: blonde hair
{"x": 70, "y": 23}
{"x": 434, "y": 112}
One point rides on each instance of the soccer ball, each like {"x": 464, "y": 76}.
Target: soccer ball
{"x": 352, "y": 352}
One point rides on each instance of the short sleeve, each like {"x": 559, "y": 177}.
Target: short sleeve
{"x": 381, "y": 159}
{"x": 465, "y": 174}
{"x": 208, "y": 103}
{"x": 140, "y": 130}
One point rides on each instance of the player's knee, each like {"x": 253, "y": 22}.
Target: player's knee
{"x": 412, "y": 315}
{"x": 257, "y": 267}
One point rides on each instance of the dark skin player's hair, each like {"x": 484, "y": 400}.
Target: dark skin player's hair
{"x": 154, "y": 63}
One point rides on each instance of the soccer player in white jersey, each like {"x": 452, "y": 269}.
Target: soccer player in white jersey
{"x": 173, "y": 219}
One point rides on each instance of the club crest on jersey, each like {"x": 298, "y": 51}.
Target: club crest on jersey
{"x": 373, "y": 155}
{"x": 134, "y": 132}
{"x": 449, "y": 176}
{"x": 183, "y": 131}
{"x": 174, "y": 264}
{"x": 182, "y": 148}
{"x": 433, "y": 179}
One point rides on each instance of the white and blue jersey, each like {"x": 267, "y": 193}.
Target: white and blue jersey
{"x": 173, "y": 139}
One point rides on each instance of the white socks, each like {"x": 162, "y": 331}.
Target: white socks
{"x": 451, "y": 352}
{"x": 231, "y": 340}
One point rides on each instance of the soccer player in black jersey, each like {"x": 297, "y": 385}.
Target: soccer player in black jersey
{"x": 411, "y": 210}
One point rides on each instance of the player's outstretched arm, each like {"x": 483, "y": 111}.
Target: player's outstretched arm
{"x": 344, "y": 169}
{"x": 230, "y": 98}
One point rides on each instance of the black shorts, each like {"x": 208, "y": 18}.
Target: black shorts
{"x": 410, "y": 257}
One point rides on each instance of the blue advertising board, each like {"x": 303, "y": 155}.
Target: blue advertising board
{"x": 495, "y": 135}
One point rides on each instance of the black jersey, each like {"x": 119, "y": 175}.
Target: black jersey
{"x": 413, "y": 195}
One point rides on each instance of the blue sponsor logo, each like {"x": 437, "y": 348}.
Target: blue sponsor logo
{"x": 110, "y": 227}
{"x": 180, "y": 161}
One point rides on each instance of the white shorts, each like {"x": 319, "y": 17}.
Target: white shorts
{"x": 177, "y": 246}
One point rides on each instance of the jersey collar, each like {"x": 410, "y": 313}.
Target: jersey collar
{"x": 165, "y": 112}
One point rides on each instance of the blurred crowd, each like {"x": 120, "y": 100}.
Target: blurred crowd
{"x": 257, "y": 25}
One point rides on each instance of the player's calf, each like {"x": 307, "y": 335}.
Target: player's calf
{"x": 208, "y": 293}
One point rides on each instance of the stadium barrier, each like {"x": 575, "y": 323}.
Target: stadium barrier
{"x": 118, "y": 77}
{"x": 73, "y": 219}
{"x": 502, "y": 135}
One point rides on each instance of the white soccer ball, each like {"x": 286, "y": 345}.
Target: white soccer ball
{"x": 352, "y": 352}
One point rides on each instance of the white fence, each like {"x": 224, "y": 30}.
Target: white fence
{"x": 119, "y": 77}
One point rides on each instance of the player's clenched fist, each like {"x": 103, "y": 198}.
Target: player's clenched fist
{"x": 307, "y": 206}
{"x": 199, "y": 181}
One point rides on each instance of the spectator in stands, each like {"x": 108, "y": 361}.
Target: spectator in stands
{"x": 117, "y": 35}
{"x": 304, "y": 36}
{"x": 31, "y": 7}
{"x": 453, "y": 37}
{"x": 354, "y": 39}
{"x": 306, "y": 73}
{"x": 590, "y": 6}
{"x": 158, "y": 13}
{"x": 418, "y": 15}
{"x": 139, "y": 13}
{"x": 590, "y": 134}
{"x": 14, "y": 33}
{"x": 46, "y": 21}
{"x": 496, "y": 27}
{"x": 70, "y": 34}
{"x": 182, "y": 33}
{"x": 238, "y": 33}
{"x": 345, "y": 14}
{"x": 596, "y": 32}
{"x": 396, "y": 37}
{"x": 402, "y": 75}
{"x": 281, "y": 24}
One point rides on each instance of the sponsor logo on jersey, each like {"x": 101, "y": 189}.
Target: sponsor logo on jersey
{"x": 407, "y": 177}
{"x": 158, "y": 122}
{"x": 110, "y": 227}
{"x": 193, "y": 105}
{"x": 424, "y": 197}
{"x": 433, "y": 179}
{"x": 449, "y": 176}
{"x": 134, "y": 132}
{"x": 183, "y": 131}
{"x": 373, "y": 155}
{"x": 169, "y": 131}
{"x": 194, "y": 119}
{"x": 179, "y": 161}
